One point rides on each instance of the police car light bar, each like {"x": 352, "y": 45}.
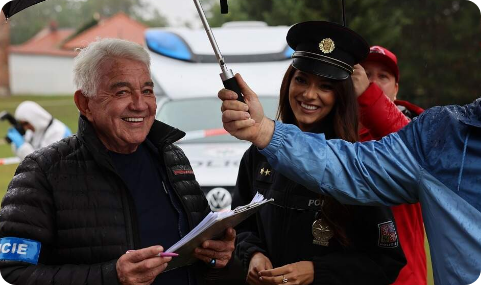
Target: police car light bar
{"x": 168, "y": 44}
{"x": 289, "y": 51}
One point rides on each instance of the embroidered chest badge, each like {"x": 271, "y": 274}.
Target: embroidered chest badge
{"x": 387, "y": 235}
{"x": 321, "y": 230}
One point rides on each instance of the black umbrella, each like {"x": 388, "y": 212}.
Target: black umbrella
{"x": 15, "y": 6}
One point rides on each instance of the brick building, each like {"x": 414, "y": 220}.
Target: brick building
{"x": 43, "y": 64}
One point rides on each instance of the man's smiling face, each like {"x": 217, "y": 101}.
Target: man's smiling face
{"x": 123, "y": 109}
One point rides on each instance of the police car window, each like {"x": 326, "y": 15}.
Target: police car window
{"x": 203, "y": 114}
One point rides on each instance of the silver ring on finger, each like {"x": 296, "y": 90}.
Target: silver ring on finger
{"x": 284, "y": 279}
{"x": 212, "y": 262}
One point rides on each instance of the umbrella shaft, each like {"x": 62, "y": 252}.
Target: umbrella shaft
{"x": 210, "y": 35}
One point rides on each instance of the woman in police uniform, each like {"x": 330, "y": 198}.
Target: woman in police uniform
{"x": 304, "y": 238}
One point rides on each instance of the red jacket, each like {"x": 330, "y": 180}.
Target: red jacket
{"x": 380, "y": 117}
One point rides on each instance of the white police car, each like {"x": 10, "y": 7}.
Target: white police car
{"x": 186, "y": 77}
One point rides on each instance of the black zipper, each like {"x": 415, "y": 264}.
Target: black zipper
{"x": 130, "y": 215}
{"x": 128, "y": 209}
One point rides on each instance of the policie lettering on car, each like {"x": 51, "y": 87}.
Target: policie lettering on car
{"x": 18, "y": 249}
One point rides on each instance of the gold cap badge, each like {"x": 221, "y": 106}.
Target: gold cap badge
{"x": 327, "y": 45}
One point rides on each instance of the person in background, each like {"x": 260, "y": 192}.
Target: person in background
{"x": 302, "y": 237}
{"x": 100, "y": 206}
{"x": 41, "y": 129}
{"x": 376, "y": 82}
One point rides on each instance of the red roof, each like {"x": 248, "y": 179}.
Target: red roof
{"x": 119, "y": 26}
{"x": 50, "y": 41}
{"x": 46, "y": 42}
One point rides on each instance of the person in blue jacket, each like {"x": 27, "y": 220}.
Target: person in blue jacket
{"x": 435, "y": 160}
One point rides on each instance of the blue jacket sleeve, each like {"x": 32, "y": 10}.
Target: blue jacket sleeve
{"x": 374, "y": 173}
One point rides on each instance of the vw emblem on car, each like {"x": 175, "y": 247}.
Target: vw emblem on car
{"x": 219, "y": 199}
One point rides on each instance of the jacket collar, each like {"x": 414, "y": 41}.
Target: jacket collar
{"x": 472, "y": 116}
{"x": 160, "y": 134}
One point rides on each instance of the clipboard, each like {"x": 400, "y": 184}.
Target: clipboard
{"x": 212, "y": 227}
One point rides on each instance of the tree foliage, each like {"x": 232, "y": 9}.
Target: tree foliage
{"x": 438, "y": 43}
{"x": 78, "y": 13}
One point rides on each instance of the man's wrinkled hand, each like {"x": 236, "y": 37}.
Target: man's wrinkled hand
{"x": 245, "y": 121}
{"x": 259, "y": 262}
{"x": 220, "y": 250}
{"x": 141, "y": 267}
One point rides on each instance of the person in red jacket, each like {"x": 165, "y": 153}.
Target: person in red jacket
{"x": 376, "y": 82}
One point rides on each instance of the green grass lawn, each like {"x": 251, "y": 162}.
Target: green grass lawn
{"x": 64, "y": 109}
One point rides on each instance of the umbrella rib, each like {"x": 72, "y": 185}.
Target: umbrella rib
{"x": 11, "y": 6}
{"x": 15, "y": 3}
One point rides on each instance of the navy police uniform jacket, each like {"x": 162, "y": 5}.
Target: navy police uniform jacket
{"x": 282, "y": 230}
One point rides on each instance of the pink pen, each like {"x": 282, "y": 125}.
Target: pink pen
{"x": 168, "y": 254}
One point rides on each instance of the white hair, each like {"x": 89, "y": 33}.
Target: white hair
{"x": 87, "y": 63}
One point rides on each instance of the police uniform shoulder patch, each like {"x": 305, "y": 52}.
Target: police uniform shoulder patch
{"x": 19, "y": 249}
{"x": 387, "y": 235}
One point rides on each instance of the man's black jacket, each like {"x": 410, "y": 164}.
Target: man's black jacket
{"x": 69, "y": 198}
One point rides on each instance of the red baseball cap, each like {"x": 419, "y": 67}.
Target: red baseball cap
{"x": 383, "y": 55}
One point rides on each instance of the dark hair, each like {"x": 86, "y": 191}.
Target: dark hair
{"x": 340, "y": 123}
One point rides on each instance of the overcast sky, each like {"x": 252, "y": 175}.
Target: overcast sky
{"x": 177, "y": 11}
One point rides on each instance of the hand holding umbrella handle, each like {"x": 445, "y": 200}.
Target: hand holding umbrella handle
{"x": 232, "y": 84}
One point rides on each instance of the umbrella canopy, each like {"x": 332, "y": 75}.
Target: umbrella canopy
{"x": 12, "y": 7}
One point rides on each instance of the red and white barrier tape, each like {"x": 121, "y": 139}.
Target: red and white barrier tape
{"x": 9, "y": 160}
{"x": 200, "y": 134}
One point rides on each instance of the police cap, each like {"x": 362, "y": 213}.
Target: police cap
{"x": 326, "y": 49}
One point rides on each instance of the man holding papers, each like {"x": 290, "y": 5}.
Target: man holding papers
{"x": 100, "y": 206}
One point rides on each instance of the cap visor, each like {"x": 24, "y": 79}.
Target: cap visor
{"x": 320, "y": 68}
{"x": 384, "y": 59}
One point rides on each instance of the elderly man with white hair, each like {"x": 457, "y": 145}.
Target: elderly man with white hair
{"x": 100, "y": 206}
{"x": 41, "y": 129}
